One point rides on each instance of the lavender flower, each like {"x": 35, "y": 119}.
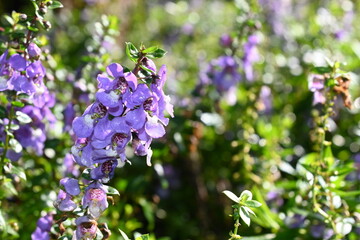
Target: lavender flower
{"x": 85, "y": 228}
{"x": 95, "y": 199}
{"x": 317, "y": 86}
{"x": 251, "y": 55}
{"x": 42, "y": 231}
{"x": 124, "y": 112}
{"x": 33, "y": 50}
{"x": 224, "y": 74}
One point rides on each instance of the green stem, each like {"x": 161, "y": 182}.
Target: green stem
{"x": 237, "y": 224}
{"x": 7, "y": 139}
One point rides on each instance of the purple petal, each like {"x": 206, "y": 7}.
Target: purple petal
{"x": 110, "y": 99}
{"x": 102, "y": 129}
{"x": 104, "y": 82}
{"x": 154, "y": 128}
{"x": 33, "y": 50}
{"x": 83, "y": 126}
{"x": 136, "y": 118}
{"x": 120, "y": 125}
{"x": 115, "y": 70}
{"x": 116, "y": 111}
{"x": 17, "y": 62}
{"x": 71, "y": 186}
{"x": 131, "y": 80}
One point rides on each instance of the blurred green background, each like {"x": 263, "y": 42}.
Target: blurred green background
{"x": 180, "y": 196}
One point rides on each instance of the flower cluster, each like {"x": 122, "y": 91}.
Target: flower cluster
{"x": 43, "y": 226}
{"x": 223, "y": 72}
{"x": 24, "y": 75}
{"x": 125, "y": 111}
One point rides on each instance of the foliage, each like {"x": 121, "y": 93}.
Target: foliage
{"x": 266, "y": 103}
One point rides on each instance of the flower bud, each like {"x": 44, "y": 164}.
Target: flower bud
{"x": 33, "y": 50}
{"x": 47, "y": 25}
{"x": 23, "y": 17}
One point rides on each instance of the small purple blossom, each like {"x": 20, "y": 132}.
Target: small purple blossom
{"x": 33, "y": 50}
{"x": 317, "y": 86}
{"x": 226, "y": 40}
{"x": 85, "y": 228}
{"x": 64, "y": 202}
{"x": 223, "y": 72}
{"x": 95, "y": 199}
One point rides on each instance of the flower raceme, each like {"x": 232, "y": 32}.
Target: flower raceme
{"x": 23, "y": 75}
{"x": 124, "y": 112}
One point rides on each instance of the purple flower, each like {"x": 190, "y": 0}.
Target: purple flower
{"x": 317, "y": 86}
{"x": 95, "y": 199}
{"x": 71, "y": 186}
{"x": 105, "y": 171}
{"x": 33, "y": 50}
{"x": 45, "y": 222}
{"x": 85, "y": 228}
{"x": 226, "y": 40}
{"x": 70, "y": 167}
{"x": 17, "y": 62}
{"x": 265, "y": 100}
{"x": 251, "y": 56}
{"x": 64, "y": 202}
{"x": 40, "y": 235}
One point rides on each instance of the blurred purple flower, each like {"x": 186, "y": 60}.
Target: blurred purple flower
{"x": 251, "y": 55}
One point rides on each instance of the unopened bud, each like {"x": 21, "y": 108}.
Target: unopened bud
{"x": 23, "y": 17}
{"x": 47, "y": 25}
{"x": 43, "y": 10}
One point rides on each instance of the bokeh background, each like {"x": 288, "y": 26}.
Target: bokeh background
{"x": 210, "y": 146}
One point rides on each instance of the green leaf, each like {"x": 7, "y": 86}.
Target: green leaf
{"x": 8, "y": 186}
{"x": 124, "y": 235}
{"x": 23, "y": 117}
{"x": 55, "y": 4}
{"x": 86, "y": 174}
{"x": 244, "y": 214}
{"x": 232, "y": 196}
{"x": 150, "y": 49}
{"x": 67, "y": 237}
{"x": 146, "y": 69}
{"x": 159, "y": 53}
{"x": 143, "y": 237}
{"x": 3, "y": 112}
{"x": 245, "y": 196}
{"x": 345, "y": 194}
{"x": 15, "y": 145}
{"x": 330, "y": 82}
{"x": 132, "y": 52}
{"x": 18, "y": 171}
{"x": 15, "y": 16}
{"x": 33, "y": 29}
{"x": 14, "y": 127}
{"x": 111, "y": 190}
{"x": 9, "y": 19}
{"x": 17, "y": 104}
{"x": 252, "y": 203}
{"x": 322, "y": 70}
{"x": 328, "y": 156}
{"x": 2, "y": 221}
